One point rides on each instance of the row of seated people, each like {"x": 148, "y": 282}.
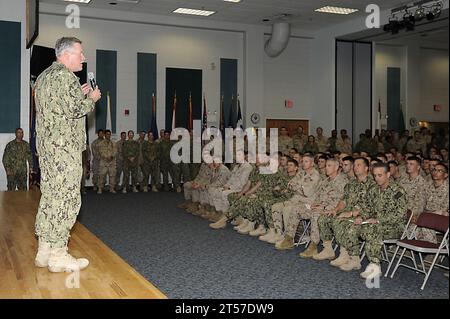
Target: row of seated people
{"x": 355, "y": 200}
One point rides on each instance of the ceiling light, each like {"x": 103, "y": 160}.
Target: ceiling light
{"x": 78, "y": 1}
{"x": 196, "y": 12}
{"x": 235, "y": 1}
{"x": 336, "y": 10}
{"x": 419, "y": 14}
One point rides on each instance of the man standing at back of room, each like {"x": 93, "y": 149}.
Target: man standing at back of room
{"x": 61, "y": 104}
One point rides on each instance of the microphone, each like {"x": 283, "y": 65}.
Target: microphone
{"x": 91, "y": 78}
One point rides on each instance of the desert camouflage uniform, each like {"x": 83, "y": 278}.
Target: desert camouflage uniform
{"x": 218, "y": 179}
{"x": 61, "y": 138}
{"x": 389, "y": 208}
{"x": 305, "y": 186}
{"x": 322, "y": 143}
{"x": 95, "y": 162}
{"x": 15, "y": 158}
{"x": 299, "y": 141}
{"x": 107, "y": 152}
{"x": 416, "y": 193}
{"x": 203, "y": 177}
{"x": 329, "y": 192}
{"x": 284, "y": 144}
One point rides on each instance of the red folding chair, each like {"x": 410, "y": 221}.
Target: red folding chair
{"x": 432, "y": 221}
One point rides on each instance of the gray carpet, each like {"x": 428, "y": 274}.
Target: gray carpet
{"x": 184, "y": 258}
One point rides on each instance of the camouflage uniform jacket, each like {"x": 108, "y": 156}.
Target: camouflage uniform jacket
{"x": 330, "y": 191}
{"x": 107, "y": 150}
{"x": 355, "y": 193}
{"x": 150, "y": 151}
{"x": 437, "y": 198}
{"x": 60, "y": 110}
{"x": 16, "y": 156}
{"x": 130, "y": 149}
{"x": 416, "y": 192}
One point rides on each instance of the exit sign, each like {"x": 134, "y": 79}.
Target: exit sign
{"x": 288, "y": 104}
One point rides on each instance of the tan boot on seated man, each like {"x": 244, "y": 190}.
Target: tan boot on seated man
{"x": 185, "y": 204}
{"x": 342, "y": 259}
{"x": 237, "y": 221}
{"x": 221, "y": 223}
{"x": 326, "y": 253}
{"x": 310, "y": 251}
{"x": 287, "y": 243}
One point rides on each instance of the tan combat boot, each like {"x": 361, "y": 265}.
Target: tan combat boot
{"x": 248, "y": 229}
{"x": 372, "y": 270}
{"x": 326, "y": 253}
{"x": 145, "y": 189}
{"x": 243, "y": 224}
{"x": 310, "y": 251}
{"x": 353, "y": 263}
{"x": 287, "y": 243}
{"x": 261, "y": 230}
{"x": 154, "y": 189}
{"x": 61, "y": 261}
{"x": 221, "y": 223}
{"x": 42, "y": 255}
{"x": 237, "y": 221}
{"x": 135, "y": 190}
{"x": 268, "y": 236}
{"x": 342, "y": 259}
{"x": 276, "y": 238}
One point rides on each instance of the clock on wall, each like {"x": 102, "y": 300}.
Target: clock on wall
{"x": 413, "y": 122}
{"x": 255, "y": 118}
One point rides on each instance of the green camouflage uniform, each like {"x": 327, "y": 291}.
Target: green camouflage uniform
{"x": 107, "y": 151}
{"x": 355, "y": 193}
{"x": 279, "y": 194}
{"x": 15, "y": 158}
{"x": 150, "y": 154}
{"x": 167, "y": 166}
{"x": 130, "y": 149}
{"x": 61, "y": 138}
{"x": 389, "y": 208}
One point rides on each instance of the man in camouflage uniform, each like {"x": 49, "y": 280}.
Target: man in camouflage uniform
{"x": 15, "y": 157}
{"x": 281, "y": 192}
{"x": 220, "y": 175}
{"x": 167, "y": 166}
{"x": 415, "y": 186}
{"x": 284, "y": 141}
{"x": 107, "y": 150}
{"x": 347, "y": 167}
{"x": 219, "y": 196}
{"x": 321, "y": 140}
{"x": 304, "y": 184}
{"x": 344, "y": 143}
{"x": 417, "y": 143}
{"x": 436, "y": 200}
{"x": 119, "y": 157}
{"x": 382, "y": 217}
{"x": 329, "y": 192}
{"x": 332, "y": 141}
{"x": 299, "y": 139}
{"x": 130, "y": 153}
{"x": 140, "y": 174}
{"x": 86, "y": 163}
{"x": 61, "y": 104}
{"x": 150, "y": 155}
{"x": 335, "y": 222}
{"x": 96, "y": 158}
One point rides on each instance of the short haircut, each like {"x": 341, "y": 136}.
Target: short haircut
{"x": 294, "y": 149}
{"x": 416, "y": 159}
{"x": 381, "y": 165}
{"x": 309, "y": 155}
{"x": 123, "y": 133}
{"x": 100, "y": 130}
{"x": 65, "y": 43}
{"x": 107, "y": 131}
{"x": 324, "y": 157}
{"x": 348, "y": 158}
{"x": 293, "y": 161}
{"x": 167, "y": 131}
{"x": 332, "y": 159}
{"x": 130, "y": 131}
{"x": 365, "y": 161}
{"x": 19, "y": 128}
{"x": 392, "y": 163}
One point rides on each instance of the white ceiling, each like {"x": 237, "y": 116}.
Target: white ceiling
{"x": 251, "y": 11}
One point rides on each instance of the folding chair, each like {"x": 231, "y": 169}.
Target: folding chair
{"x": 302, "y": 234}
{"x": 432, "y": 221}
{"x": 388, "y": 242}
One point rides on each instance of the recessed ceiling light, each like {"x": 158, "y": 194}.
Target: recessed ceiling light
{"x": 196, "y": 12}
{"x": 78, "y": 1}
{"x": 236, "y": 1}
{"x": 336, "y": 10}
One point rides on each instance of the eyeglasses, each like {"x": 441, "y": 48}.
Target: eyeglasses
{"x": 438, "y": 170}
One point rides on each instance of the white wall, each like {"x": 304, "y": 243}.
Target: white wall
{"x": 424, "y": 80}
{"x": 287, "y": 77}
{"x": 394, "y": 57}
{"x": 15, "y": 11}
{"x": 174, "y": 46}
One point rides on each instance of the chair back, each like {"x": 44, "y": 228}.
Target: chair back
{"x": 433, "y": 221}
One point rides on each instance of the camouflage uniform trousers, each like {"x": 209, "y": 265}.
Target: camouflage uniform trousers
{"x": 107, "y": 168}
{"x": 151, "y": 170}
{"x": 17, "y": 179}
{"x": 330, "y": 226}
{"x": 187, "y": 190}
{"x": 193, "y": 194}
{"x": 204, "y": 196}
{"x": 95, "y": 172}
{"x": 130, "y": 167}
{"x": 173, "y": 170}
{"x": 372, "y": 234}
{"x": 301, "y": 212}
{"x": 61, "y": 198}
{"x": 249, "y": 207}
{"x": 119, "y": 171}
{"x": 280, "y": 212}
{"x": 220, "y": 198}
{"x": 185, "y": 172}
